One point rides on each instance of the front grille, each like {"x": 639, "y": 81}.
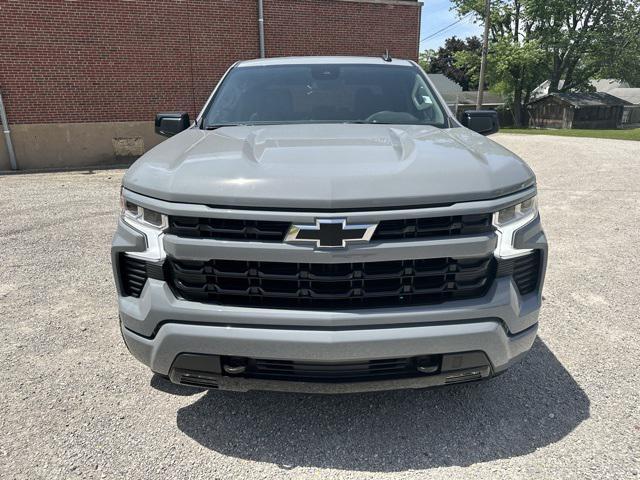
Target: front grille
{"x": 330, "y": 286}
{"x": 133, "y": 275}
{"x": 273, "y": 231}
{"x": 228, "y": 229}
{"x": 433, "y": 227}
{"x": 365, "y": 370}
{"x": 525, "y": 271}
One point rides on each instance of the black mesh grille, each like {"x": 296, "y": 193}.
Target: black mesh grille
{"x": 433, "y": 227}
{"x": 272, "y": 231}
{"x": 365, "y": 370}
{"x": 525, "y": 271}
{"x": 133, "y": 274}
{"x": 331, "y": 286}
{"x": 228, "y": 229}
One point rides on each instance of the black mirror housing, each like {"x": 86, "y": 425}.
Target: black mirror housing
{"x": 484, "y": 122}
{"x": 170, "y": 123}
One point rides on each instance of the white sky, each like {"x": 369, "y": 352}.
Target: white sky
{"x": 436, "y": 14}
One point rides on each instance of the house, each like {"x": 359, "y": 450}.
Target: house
{"x": 631, "y": 95}
{"x": 489, "y": 99}
{"x": 607, "y": 84}
{"x": 602, "y": 85}
{"x": 458, "y": 102}
{"x": 577, "y": 110}
{"x": 445, "y": 86}
{"x": 457, "y": 99}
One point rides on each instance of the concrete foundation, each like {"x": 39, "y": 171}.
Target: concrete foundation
{"x": 69, "y": 145}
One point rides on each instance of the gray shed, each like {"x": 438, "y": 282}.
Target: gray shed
{"x": 577, "y": 110}
{"x": 631, "y": 114}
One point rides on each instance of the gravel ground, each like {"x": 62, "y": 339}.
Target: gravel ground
{"x": 74, "y": 403}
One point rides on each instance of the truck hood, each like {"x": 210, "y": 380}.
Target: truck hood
{"x": 332, "y": 166}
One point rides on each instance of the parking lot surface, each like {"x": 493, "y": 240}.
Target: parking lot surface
{"x": 75, "y": 404}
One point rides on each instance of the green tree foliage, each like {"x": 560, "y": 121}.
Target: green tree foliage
{"x": 618, "y": 55}
{"x": 444, "y": 61}
{"x": 516, "y": 69}
{"x": 583, "y": 37}
{"x": 424, "y": 59}
{"x": 469, "y": 62}
{"x": 571, "y": 40}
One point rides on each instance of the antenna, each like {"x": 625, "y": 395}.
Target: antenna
{"x": 386, "y": 57}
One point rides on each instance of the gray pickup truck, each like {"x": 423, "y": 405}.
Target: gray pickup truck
{"x": 327, "y": 225}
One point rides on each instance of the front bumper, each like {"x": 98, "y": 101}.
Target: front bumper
{"x": 158, "y": 327}
{"x": 488, "y": 336}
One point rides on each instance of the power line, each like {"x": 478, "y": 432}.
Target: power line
{"x": 446, "y": 28}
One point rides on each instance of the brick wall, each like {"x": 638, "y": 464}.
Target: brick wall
{"x": 115, "y": 60}
{"x": 321, "y": 27}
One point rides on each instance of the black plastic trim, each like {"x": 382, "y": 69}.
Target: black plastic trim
{"x": 342, "y": 286}
{"x": 526, "y": 271}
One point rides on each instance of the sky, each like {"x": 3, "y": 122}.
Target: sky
{"x": 436, "y": 14}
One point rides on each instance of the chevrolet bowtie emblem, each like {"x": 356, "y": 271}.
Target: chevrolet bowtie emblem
{"x": 330, "y": 233}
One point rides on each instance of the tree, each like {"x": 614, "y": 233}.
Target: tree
{"x": 425, "y": 58}
{"x": 619, "y": 56}
{"x": 514, "y": 61}
{"x": 516, "y": 69}
{"x": 582, "y": 37}
{"x": 444, "y": 61}
{"x": 469, "y": 62}
{"x": 571, "y": 40}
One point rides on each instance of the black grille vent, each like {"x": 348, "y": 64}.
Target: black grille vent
{"x": 525, "y": 271}
{"x": 332, "y": 373}
{"x": 331, "y": 286}
{"x": 133, "y": 273}
{"x": 433, "y": 227}
{"x": 272, "y": 231}
{"x": 228, "y": 229}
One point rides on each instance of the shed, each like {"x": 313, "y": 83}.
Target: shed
{"x": 602, "y": 85}
{"x": 577, "y": 110}
{"x": 631, "y": 114}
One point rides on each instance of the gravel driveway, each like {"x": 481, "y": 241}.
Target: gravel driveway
{"x": 74, "y": 403}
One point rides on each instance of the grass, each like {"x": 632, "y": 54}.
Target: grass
{"x": 628, "y": 134}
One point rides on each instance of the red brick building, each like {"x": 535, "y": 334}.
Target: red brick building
{"x": 82, "y": 80}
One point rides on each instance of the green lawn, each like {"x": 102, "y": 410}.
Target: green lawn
{"x": 630, "y": 134}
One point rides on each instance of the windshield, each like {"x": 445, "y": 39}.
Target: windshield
{"x": 332, "y": 93}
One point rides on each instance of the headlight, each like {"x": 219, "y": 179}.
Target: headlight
{"x": 508, "y": 220}
{"x": 149, "y": 222}
{"x": 137, "y": 215}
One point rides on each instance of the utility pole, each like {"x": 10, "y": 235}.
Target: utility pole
{"x": 261, "y": 27}
{"x": 485, "y": 47}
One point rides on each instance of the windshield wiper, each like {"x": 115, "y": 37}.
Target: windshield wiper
{"x": 214, "y": 127}
{"x": 363, "y": 122}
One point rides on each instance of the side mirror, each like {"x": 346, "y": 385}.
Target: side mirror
{"x": 481, "y": 121}
{"x": 170, "y": 123}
